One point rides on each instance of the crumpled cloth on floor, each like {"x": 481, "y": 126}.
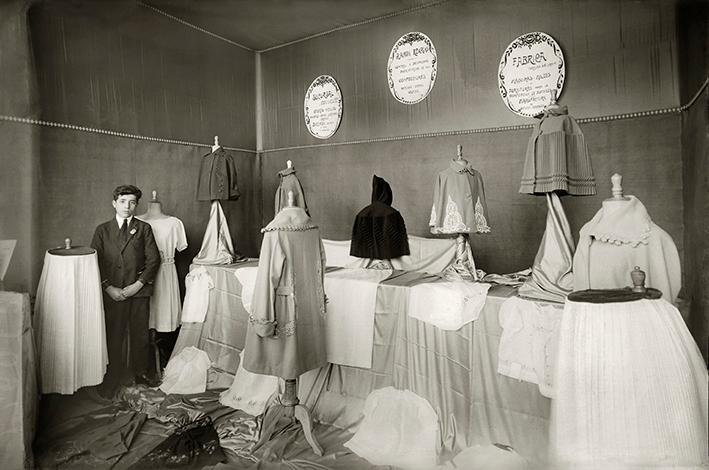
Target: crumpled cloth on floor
{"x": 250, "y": 392}
{"x": 529, "y": 340}
{"x": 488, "y": 457}
{"x": 186, "y": 373}
{"x": 194, "y": 445}
{"x": 399, "y": 428}
{"x": 449, "y": 304}
{"x": 106, "y": 434}
{"x": 238, "y": 434}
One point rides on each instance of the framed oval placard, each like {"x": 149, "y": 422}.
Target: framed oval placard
{"x": 412, "y": 67}
{"x": 532, "y": 69}
{"x": 323, "y": 107}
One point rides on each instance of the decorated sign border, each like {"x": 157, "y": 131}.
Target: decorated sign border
{"x": 411, "y": 38}
{"x": 530, "y": 40}
{"x": 323, "y": 81}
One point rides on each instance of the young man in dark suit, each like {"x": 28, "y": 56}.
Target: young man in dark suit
{"x": 128, "y": 260}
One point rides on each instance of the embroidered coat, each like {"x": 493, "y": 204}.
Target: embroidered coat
{"x": 286, "y": 332}
{"x": 459, "y": 201}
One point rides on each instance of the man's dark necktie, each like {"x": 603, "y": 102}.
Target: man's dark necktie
{"x": 124, "y": 231}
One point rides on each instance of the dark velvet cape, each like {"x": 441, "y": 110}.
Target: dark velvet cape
{"x": 379, "y": 231}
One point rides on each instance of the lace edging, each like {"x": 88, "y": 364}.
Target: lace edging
{"x": 290, "y": 228}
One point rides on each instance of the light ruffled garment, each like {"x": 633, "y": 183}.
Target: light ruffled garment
{"x": 250, "y": 392}
{"x": 447, "y": 305}
{"x": 630, "y": 389}
{"x": 529, "y": 340}
{"x": 399, "y": 429}
{"x": 198, "y": 283}
{"x": 186, "y": 373}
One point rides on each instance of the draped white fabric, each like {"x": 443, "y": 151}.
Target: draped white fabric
{"x": 249, "y": 392}
{"x": 71, "y": 331}
{"x": 198, "y": 283}
{"x": 429, "y": 255}
{"x": 187, "y": 372}
{"x": 630, "y": 389}
{"x": 529, "y": 341}
{"x": 449, "y": 304}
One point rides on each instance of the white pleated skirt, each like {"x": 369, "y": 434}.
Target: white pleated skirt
{"x": 630, "y": 389}
{"x": 70, "y": 324}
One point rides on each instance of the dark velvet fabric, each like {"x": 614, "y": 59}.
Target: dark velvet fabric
{"x": 379, "y": 231}
{"x": 609, "y": 296}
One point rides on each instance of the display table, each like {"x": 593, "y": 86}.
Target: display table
{"x": 630, "y": 389}
{"x": 456, "y": 371}
{"x": 18, "y": 382}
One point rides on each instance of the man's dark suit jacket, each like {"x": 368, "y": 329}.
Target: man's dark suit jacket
{"x": 122, "y": 264}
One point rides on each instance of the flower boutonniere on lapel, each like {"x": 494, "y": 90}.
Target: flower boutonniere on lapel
{"x": 132, "y": 232}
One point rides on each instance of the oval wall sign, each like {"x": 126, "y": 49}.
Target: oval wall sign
{"x": 323, "y": 107}
{"x": 412, "y": 67}
{"x": 531, "y": 73}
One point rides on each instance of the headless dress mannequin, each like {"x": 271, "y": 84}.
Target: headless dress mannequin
{"x": 154, "y": 211}
{"x": 288, "y": 407}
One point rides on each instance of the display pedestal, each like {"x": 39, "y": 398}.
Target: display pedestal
{"x": 464, "y": 266}
{"x": 288, "y": 409}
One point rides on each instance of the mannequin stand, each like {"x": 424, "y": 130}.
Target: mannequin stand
{"x": 291, "y": 410}
{"x": 464, "y": 266}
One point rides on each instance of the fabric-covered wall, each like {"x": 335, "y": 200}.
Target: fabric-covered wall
{"x": 692, "y": 24}
{"x": 118, "y": 66}
{"x": 621, "y": 58}
{"x": 18, "y": 158}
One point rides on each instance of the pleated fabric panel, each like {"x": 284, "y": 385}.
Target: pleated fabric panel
{"x": 631, "y": 389}
{"x": 71, "y": 330}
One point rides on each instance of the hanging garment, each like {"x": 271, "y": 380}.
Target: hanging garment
{"x": 217, "y": 177}
{"x": 619, "y": 237}
{"x": 187, "y": 372}
{"x": 216, "y": 245}
{"x": 195, "y": 445}
{"x": 630, "y": 389}
{"x": 247, "y": 278}
{"x": 250, "y": 392}
{"x": 351, "y": 304}
{"x": 528, "y": 344}
{"x": 459, "y": 204}
{"x": 289, "y": 182}
{"x": 557, "y": 157}
{"x": 399, "y": 429}
{"x": 70, "y": 323}
{"x": 286, "y": 332}
{"x": 379, "y": 231}
{"x": 198, "y": 283}
{"x": 165, "y": 307}
{"x": 552, "y": 273}
{"x": 447, "y": 305}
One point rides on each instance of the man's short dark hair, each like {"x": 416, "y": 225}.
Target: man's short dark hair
{"x": 127, "y": 189}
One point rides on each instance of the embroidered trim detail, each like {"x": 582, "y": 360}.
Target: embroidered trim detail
{"x": 618, "y": 240}
{"x": 286, "y": 330}
{"x": 480, "y": 221}
{"x": 290, "y": 228}
{"x": 453, "y": 221}
{"x": 257, "y": 321}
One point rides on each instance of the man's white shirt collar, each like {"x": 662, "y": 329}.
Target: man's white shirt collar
{"x": 119, "y": 219}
